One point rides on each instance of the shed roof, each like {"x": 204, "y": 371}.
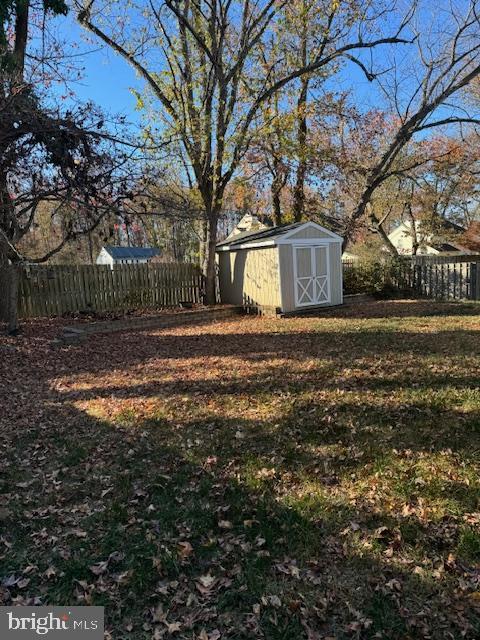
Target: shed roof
{"x": 252, "y": 236}
{"x": 272, "y": 233}
{"x": 131, "y": 253}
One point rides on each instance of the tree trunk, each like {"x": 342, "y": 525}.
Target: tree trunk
{"x": 415, "y": 241}
{"x": 377, "y": 226}
{"x": 7, "y": 213}
{"x": 386, "y": 241}
{"x": 90, "y": 247}
{"x": 210, "y": 265}
{"x": 277, "y": 209}
{"x": 276, "y": 188}
{"x": 299, "y": 187}
{"x": 21, "y": 35}
{"x": 203, "y": 244}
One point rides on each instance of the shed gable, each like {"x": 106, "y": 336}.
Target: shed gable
{"x": 310, "y": 231}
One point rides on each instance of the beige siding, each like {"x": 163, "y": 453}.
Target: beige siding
{"x": 309, "y": 233}
{"x": 336, "y": 279}
{"x": 286, "y": 268}
{"x": 335, "y": 268}
{"x": 249, "y": 276}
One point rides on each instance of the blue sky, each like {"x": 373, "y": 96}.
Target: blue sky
{"x": 107, "y": 78}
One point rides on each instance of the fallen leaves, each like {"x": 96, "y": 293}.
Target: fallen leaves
{"x": 50, "y": 572}
{"x": 284, "y": 479}
{"x": 272, "y": 601}
{"x": 78, "y": 533}
{"x": 205, "y": 584}
{"x": 212, "y": 635}
{"x": 101, "y": 567}
{"x": 184, "y": 549}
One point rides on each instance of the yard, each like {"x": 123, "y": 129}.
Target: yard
{"x": 302, "y": 478}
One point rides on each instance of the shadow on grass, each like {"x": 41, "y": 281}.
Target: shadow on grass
{"x": 278, "y": 565}
{"x": 413, "y": 308}
{"x": 313, "y": 518}
{"x": 335, "y": 350}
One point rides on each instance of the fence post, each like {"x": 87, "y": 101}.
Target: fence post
{"x": 474, "y": 281}
{"x": 12, "y": 304}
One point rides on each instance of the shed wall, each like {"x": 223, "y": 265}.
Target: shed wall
{"x": 249, "y": 276}
{"x": 286, "y": 267}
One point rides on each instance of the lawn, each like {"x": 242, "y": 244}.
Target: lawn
{"x": 302, "y": 478}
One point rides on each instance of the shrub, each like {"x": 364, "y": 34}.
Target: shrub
{"x": 375, "y": 277}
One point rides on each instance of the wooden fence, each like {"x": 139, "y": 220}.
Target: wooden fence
{"x": 55, "y": 290}
{"x": 435, "y": 277}
{"x": 440, "y": 280}
{"x": 454, "y": 258}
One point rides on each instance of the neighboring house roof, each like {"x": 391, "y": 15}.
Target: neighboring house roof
{"x": 440, "y": 245}
{"x": 271, "y": 234}
{"x": 248, "y": 223}
{"x": 445, "y": 247}
{"x": 453, "y": 226}
{"x": 441, "y": 223}
{"x": 131, "y": 253}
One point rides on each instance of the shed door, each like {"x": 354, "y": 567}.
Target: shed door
{"x": 311, "y": 272}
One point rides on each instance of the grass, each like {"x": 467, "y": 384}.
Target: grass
{"x": 258, "y": 478}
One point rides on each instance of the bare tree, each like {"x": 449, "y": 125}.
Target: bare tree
{"x": 64, "y": 157}
{"x": 448, "y": 61}
{"x": 201, "y": 61}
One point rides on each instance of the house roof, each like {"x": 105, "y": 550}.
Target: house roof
{"x": 257, "y": 237}
{"x": 131, "y": 253}
{"x": 446, "y": 247}
{"x": 448, "y": 224}
{"x": 442, "y": 223}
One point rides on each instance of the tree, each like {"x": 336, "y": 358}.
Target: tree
{"x": 60, "y": 159}
{"x": 49, "y": 155}
{"x": 200, "y": 61}
{"x": 448, "y": 62}
{"x": 303, "y": 22}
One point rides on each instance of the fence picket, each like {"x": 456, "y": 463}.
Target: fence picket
{"x": 458, "y": 279}
{"x": 57, "y": 289}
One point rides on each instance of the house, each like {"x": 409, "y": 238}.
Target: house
{"x": 126, "y": 255}
{"x": 281, "y": 269}
{"x": 446, "y": 240}
{"x": 249, "y": 222}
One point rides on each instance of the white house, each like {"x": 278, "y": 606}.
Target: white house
{"x": 126, "y": 255}
{"x": 249, "y": 222}
{"x": 429, "y": 244}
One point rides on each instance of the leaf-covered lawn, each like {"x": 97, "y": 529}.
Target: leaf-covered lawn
{"x": 259, "y": 478}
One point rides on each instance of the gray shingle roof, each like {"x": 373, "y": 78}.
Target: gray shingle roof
{"x": 446, "y": 247}
{"x": 131, "y": 253}
{"x": 272, "y": 232}
{"x": 254, "y": 236}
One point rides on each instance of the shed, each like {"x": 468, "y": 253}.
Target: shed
{"x": 282, "y": 269}
{"x": 111, "y": 256}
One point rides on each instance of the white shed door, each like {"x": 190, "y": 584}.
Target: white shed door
{"x": 311, "y": 274}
